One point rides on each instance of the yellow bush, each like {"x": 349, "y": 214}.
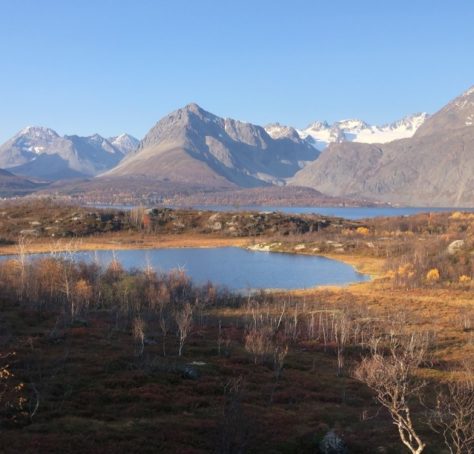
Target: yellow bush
{"x": 464, "y": 279}
{"x": 457, "y": 215}
{"x": 363, "y": 230}
{"x": 432, "y": 275}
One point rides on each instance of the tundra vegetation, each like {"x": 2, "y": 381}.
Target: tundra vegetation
{"x": 103, "y": 359}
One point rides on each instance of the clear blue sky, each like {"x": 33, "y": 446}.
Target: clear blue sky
{"x": 109, "y": 66}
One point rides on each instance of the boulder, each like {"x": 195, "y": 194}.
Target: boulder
{"x": 455, "y": 246}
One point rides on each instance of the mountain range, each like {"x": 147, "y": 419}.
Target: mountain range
{"x": 192, "y": 145}
{"x": 320, "y": 133}
{"x": 434, "y": 167}
{"x": 419, "y": 160}
{"x": 41, "y": 153}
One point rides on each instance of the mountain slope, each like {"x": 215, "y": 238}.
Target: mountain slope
{"x": 191, "y": 146}
{"x": 12, "y": 185}
{"x": 41, "y": 153}
{"x": 434, "y": 167}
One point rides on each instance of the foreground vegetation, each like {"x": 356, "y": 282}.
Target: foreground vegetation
{"x": 109, "y": 360}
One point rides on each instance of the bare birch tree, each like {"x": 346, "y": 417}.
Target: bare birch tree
{"x": 391, "y": 375}
{"x": 184, "y": 318}
{"x": 453, "y": 416}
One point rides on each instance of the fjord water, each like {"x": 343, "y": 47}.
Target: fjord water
{"x": 235, "y": 268}
{"x": 352, "y": 213}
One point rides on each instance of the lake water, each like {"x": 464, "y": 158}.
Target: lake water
{"x": 343, "y": 212}
{"x": 236, "y": 268}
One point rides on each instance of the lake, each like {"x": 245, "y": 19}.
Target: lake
{"x": 353, "y": 213}
{"x": 235, "y": 268}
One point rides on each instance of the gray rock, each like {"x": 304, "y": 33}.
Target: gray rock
{"x": 333, "y": 444}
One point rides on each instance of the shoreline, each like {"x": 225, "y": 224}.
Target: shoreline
{"x": 124, "y": 242}
{"x": 370, "y": 266}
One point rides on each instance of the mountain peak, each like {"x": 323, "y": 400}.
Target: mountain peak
{"x": 194, "y": 108}
{"x": 41, "y": 152}
{"x": 320, "y": 134}
{"x": 318, "y": 125}
{"x": 125, "y": 143}
{"x": 37, "y": 131}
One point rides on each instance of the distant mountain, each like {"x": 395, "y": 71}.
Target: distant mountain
{"x": 125, "y": 143}
{"x": 40, "y": 152}
{"x": 193, "y": 146}
{"x": 12, "y": 185}
{"x": 434, "y": 167}
{"x": 321, "y": 134}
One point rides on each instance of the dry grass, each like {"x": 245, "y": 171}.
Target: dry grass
{"x": 123, "y": 241}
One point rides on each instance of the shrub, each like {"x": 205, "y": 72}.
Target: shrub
{"x": 362, "y": 230}
{"x": 432, "y": 275}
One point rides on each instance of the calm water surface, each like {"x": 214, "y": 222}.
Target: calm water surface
{"x": 343, "y": 212}
{"x": 236, "y": 268}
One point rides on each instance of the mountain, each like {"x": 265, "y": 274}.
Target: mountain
{"x": 125, "y": 143}
{"x": 40, "y": 152}
{"x": 321, "y": 134}
{"x": 193, "y": 146}
{"x": 435, "y": 167}
{"x": 12, "y": 185}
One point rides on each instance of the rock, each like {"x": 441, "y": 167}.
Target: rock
{"x": 455, "y": 246}
{"x": 299, "y": 247}
{"x": 197, "y": 363}
{"x": 260, "y": 247}
{"x": 29, "y": 232}
{"x": 334, "y": 244}
{"x": 217, "y": 226}
{"x": 191, "y": 372}
{"x": 79, "y": 323}
{"x": 333, "y": 444}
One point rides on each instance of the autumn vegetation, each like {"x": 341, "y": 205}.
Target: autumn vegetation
{"x": 103, "y": 359}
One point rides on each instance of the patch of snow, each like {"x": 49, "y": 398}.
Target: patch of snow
{"x": 321, "y": 134}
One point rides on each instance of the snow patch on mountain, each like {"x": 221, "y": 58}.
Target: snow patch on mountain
{"x": 125, "y": 143}
{"x": 320, "y": 133}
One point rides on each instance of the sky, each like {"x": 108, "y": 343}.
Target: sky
{"x": 113, "y": 66}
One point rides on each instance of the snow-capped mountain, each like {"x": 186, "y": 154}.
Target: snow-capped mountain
{"x": 320, "y": 134}
{"x": 125, "y": 143}
{"x": 42, "y": 153}
{"x": 434, "y": 167}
